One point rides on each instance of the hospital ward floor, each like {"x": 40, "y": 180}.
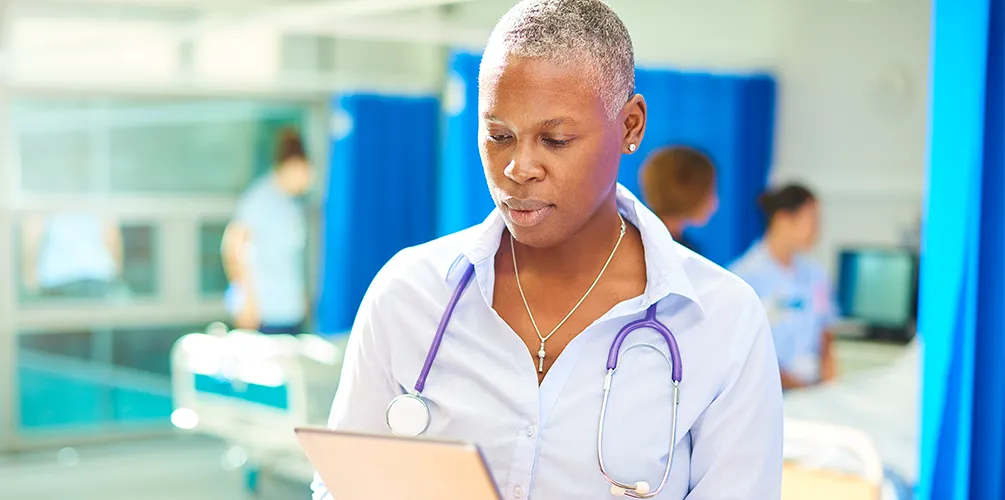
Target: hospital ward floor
{"x": 165, "y": 469}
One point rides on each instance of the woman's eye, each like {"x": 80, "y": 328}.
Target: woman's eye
{"x": 556, "y": 143}
{"x": 499, "y": 137}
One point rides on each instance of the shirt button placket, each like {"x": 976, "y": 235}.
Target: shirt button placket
{"x": 523, "y": 462}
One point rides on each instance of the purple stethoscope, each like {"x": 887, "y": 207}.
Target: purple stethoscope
{"x": 408, "y": 415}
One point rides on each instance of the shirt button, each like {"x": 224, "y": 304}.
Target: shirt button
{"x": 530, "y": 431}
{"x": 517, "y": 492}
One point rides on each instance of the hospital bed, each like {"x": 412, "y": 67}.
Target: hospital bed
{"x": 876, "y": 406}
{"x": 828, "y": 462}
{"x": 250, "y": 390}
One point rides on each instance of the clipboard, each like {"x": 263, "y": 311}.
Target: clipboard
{"x": 360, "y": 466}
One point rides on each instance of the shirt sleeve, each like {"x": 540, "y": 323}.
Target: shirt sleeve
{"x": 737, "y": 441}
{"x": 366, "y": 384}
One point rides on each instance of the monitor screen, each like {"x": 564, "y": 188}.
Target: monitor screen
{"x": 878, "y": 286}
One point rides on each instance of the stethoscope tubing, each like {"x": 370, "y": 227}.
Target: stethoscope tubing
{"x": 608, "y": 381}
{"x": 614, "y": 357}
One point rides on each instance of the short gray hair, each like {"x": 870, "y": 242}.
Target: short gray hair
{"x": 566, "y": 31}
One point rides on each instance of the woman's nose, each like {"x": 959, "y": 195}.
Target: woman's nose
{"x": 524, "y": 167}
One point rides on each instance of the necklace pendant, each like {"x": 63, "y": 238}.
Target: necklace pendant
{"x": 540, "y": 359}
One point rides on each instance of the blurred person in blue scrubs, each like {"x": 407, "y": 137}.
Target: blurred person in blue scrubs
{"x": 794, "y": 289}
{"x": 264, "y": 246}
{"x": 71, "y": 254}
{"x": 678, "y": 185}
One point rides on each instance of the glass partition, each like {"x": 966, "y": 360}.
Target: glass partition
{"x": 190, "y": 146}
{"x": 212, "y": 279}
{"x": 90, "y": 378}
{"x": 117, "y": 214}
{"x": 56, "y": 161}
{"x": 85, "y": 255}
{"x": 139, "y": 258}
{"x": 59, "y": 380}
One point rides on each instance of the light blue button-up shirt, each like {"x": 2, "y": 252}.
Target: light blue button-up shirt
{"x": 540, "y": 441}
{"x": 799, "y": 304}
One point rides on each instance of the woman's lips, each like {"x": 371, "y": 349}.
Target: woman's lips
{"x": 529, "y": 218}
{"x": 527, "y": 213}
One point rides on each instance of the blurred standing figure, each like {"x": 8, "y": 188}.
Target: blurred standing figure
{"x": 795, "y": 290}
{"x": 71, "y": 254}
{"x": 678, "y": 184}
{"x": 263, "y": 247}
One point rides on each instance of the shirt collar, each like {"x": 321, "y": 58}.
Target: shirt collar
{"x": 760, "y": 251}
{"x": 665, "y": 273}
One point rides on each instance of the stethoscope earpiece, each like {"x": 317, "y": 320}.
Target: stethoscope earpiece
{"x": 641, "y": 488}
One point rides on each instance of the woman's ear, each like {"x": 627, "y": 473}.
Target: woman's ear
{"x": 635, "y": 123}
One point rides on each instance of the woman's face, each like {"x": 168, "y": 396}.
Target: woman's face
{"x": 805, "y": 225}
{"x": 297, "y": 175}
{"x": 707, "y": 209}
{"x": 549, "y": 149}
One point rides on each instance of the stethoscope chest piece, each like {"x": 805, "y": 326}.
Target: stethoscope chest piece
{"x": 407, "y": 415}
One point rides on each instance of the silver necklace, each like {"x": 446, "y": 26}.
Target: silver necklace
{"x": 544, "y": 338}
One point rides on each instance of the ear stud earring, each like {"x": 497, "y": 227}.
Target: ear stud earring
{"x": 631, "y": 147}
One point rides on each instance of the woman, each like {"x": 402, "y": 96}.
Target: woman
{"x": 263, "y": 247}
{"x": 554, "y": 276}
{"x": 795, "y": 290}
{"x": 678, "y": 184}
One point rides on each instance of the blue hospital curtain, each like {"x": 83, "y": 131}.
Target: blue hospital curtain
{"x": 464, "y": 198}
{"x": 380, "y": 195}
{"x": 731, "y": 117}
{"x": 962, "y": 301}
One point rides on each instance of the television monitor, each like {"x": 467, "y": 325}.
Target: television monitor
{"x": 879, "y": 288}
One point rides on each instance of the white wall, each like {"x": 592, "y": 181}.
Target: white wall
{"x": 389, "y": 66}
{"x": 698, "y": 34}
{"x": 852, "y": 115}
{"x": 706, "y": 34}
